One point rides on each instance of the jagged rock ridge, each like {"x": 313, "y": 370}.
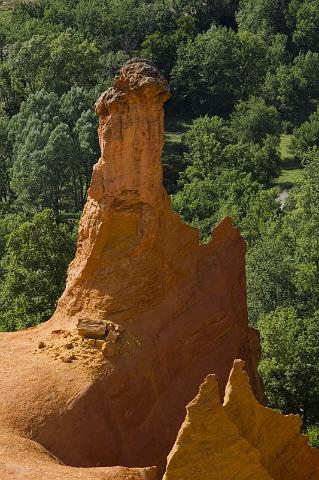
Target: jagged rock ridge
{"x": 165, "y": 310}
{"x": 240, "y": 439}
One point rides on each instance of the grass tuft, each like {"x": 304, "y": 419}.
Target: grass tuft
{"x": 291, "y": 171}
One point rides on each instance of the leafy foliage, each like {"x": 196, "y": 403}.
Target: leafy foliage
{"x": 214, "y": 144}
{"x": 283, "y": 267}
{"x": 218, "y": 68}
{"x": 224, "y": 174}
{"x": 5, "y": 151}
{"x": 306, "y": 137}
{"x": 263, "y": 16}
{"x": 290, "y": 362}
{"x": 313, "y": 434}
{"x": 293, "y": 88}
{"x": 205, "y": 201}
{"x": 55, "y": 147}
{"x": 253, "y": 120}
{"x": 36, "y": 255}
{"x": 303, "y": 18}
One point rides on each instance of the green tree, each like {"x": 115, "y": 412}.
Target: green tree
{"x": 24, "y": 20}
{"x": 278, "y": 53}
{"x": 293, "y": 88}
{"x": 212, "y": 148}
{"x": 124, "y": 23}
{"x": 8, "y": 223}
{"x": 5, "y": 159}
{"x": 303, "y": 19}
{"x": 161, "y": 49}
{"x": 283, "y": 265}
{"x": 37, "y": 254}
{"x": 218, "y": 68}
{"x": 40, "y": 172}
{"x": 304, "y": 225}
{"x": 88, "y": 151}
{"x": 218, "y": 12}
{"x": 53, "y": 62}
{"x": 61, "y": 12}
{"x": 55, "y": 147}
{"x": 198, "y": 204}
{"x": 253, "y": 120}
{"x": 204, "y": 201}
{"x": 290, "y": 362}
{"x": 76, "y": 110}
{"x": 262, "y": 208}
{"x": 313, "y": 435}
{"x": 306, "y": 137}
{"x": 27, "y": 64}
{"x": 269, "y": 271}
{"x": 260, "y": 16}
{"x": 204, "y": 142}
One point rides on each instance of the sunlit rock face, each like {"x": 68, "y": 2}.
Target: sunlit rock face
{"x": 138, "y": 265}
{"x": 239, "y": 439}
{"x": 147, "y": 313}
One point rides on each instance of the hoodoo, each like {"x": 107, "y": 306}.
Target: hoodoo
{"x": 181, "y": 305}
{"x": 99, "y": 391}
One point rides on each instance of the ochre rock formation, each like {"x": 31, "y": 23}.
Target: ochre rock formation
{"x": 239, "y": 440}
{"x": 209, "y": 446}
{"x": 284, "y": 453}
{"x": 156, "y": 310}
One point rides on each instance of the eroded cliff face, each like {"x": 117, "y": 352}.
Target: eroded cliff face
{"x": 181, "y": 304}
{"x": 239, "y": 439}
{"x": 284, "y": 452}
{"x": 125, "y": 259}
{"x": 147, "y": 313}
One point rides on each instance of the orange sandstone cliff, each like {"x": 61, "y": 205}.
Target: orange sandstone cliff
{"x": 99, "y": 391}
{"x": 284, "y": 453}
{"x": 239, "y": 439}
{"x": 182, "y": 305}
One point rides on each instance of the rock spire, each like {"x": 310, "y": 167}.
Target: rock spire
{"x": 147, "y": 313}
